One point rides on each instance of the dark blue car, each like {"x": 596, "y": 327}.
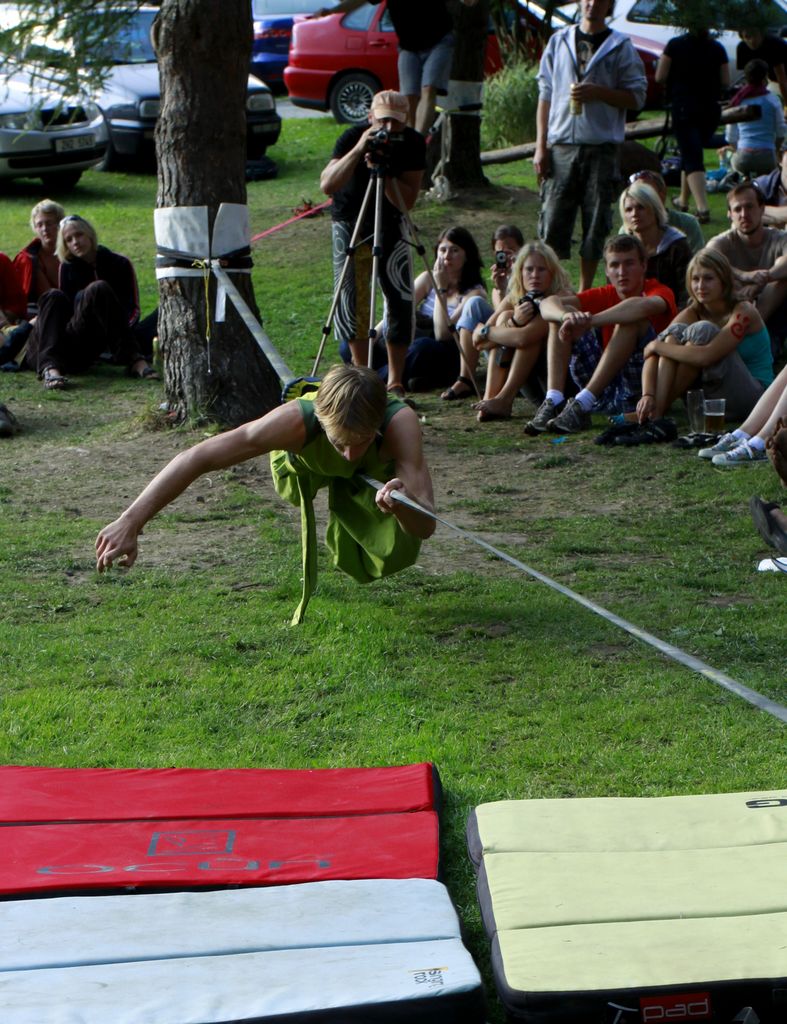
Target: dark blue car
{"x": 272, "y": 31}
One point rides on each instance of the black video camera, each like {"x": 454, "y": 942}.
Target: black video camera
{"x": 377, "y": 145}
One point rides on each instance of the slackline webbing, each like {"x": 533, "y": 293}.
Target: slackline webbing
{"x": 757, "y": 699}
{"x": 669, "y": 650}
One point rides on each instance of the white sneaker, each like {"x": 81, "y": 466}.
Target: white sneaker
{"x": 725, "y": 444}
{"x": 743, "y": 455}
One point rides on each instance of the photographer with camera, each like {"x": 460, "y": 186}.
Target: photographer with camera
{"x": 390, "y": 148}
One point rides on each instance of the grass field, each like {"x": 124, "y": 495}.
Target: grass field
{"x": 511, "y": 689}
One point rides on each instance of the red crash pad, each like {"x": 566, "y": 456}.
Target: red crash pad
{"x": 73, "y": 829}
{"x": 187, "y": 854}
{"x": 30, "y": 794}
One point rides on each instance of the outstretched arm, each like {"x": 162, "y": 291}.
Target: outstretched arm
{"x": 403, "y": 444}
{"x": 281, "y": 428}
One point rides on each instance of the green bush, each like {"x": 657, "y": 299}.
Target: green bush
{"x": 510, "y": 101}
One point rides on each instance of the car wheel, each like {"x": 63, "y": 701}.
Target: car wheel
{"x": 60, "y": 181}
{"x": 351, "y": 97}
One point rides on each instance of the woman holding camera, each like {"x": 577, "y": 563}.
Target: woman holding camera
{"x": 433, "y": 359}
{"x": 516, "y": 334}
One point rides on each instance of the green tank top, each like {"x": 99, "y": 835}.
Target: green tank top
{"x": 363, "y": 542}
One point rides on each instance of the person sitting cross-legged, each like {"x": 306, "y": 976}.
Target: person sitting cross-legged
{"x": 515, "y": 334}
{"x": 600, "y": 335}
{"x": 718, "y": 343}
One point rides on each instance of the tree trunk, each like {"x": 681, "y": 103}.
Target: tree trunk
{"x": 203, "y": 50}
{"x": 463, "y": 168}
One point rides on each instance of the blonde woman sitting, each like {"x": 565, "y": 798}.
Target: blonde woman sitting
{"x": 515, "y": 334}
{"x": 716, "y": 343}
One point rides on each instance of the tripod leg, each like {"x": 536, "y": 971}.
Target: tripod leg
{"x": 339, "y": 285}
{"x": 377, "y": 249}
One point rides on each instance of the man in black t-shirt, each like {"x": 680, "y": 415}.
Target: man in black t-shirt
{"x": 426, "y": 49}
{"x": 756, "y": 44}
{"x": 402, "y": 153}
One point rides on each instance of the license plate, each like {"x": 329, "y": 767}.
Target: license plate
{"x": 75, "y": 142}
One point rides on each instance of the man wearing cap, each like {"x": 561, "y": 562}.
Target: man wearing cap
{"x": 401, "y": 153}
{"x": 425, "y": 34}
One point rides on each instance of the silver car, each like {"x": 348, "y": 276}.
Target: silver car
{"x": 46, "y": 135}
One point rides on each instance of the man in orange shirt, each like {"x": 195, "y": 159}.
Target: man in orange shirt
{"x": 600, "y": 335}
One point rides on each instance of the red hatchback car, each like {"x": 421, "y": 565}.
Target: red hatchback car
{"x": 340, "y": 61}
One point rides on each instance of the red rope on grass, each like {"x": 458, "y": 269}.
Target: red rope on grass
{"x": 299, "y": 216}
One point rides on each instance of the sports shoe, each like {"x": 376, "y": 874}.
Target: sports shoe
{"x": 725, "y": 444}
{"x": 545, "y": 412}
{"x": 571, "y": 420}
{"x": 743, "y": 455}
{"x": 8, "y": 424}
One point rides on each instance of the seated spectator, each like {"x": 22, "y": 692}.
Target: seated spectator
{"x": 718, "y": 343}
{"x": 747, "y": 443}
{"x": 433, "y": 359}
{"x": 774, "y": 190}
{"x": 12, "y": 299}
{"x": 38, "y": 269}
{"x": 37, "y": 264}
{"x": 757, "y": 254}
{"x": 768, "y": 517}
{"x": 92, "y": 313}
{"x": 685, "y": 222}
{"x": 506, "y": 243}
{"x": 758, "y": 44}
{"x": 643, "y": 215}
{"x": 600, "y": 335}
{"x": 516, "y": 333}
{"x": 756, "y": 143}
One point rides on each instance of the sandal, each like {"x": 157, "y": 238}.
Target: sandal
{"x": 683, "y": 207}
{"x": 450, "y": 395}
{"x": 703, "y": 216}
{"x": 54, "y": 381}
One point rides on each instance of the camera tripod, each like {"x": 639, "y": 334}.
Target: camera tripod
{"x": 377, "y": 184}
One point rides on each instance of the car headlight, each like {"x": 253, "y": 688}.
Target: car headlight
{"x": 150, "y": 108}
{"x": 122, "y": 112}
{"x": 91, "y": 111}
{"x": 26, "y": 120}
{"x": 260, "y": 101}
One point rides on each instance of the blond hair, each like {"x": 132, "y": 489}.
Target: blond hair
{"x": 645, "y": 195}
{"x": 351, "y": 402}
{"x": 718, "y": 264}
{"x": 560, "y": 281}
{"x": 46, "y": 206}
{"x": 73, "y": 219}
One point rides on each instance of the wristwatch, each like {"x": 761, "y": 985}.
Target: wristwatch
{"x": 484, "y": 332}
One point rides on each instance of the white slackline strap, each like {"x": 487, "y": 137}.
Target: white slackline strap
{"x": 250, "y": 320}
{"x": 757, "y": 699}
